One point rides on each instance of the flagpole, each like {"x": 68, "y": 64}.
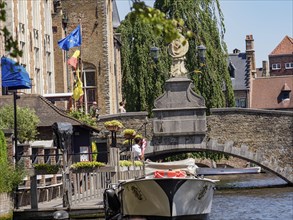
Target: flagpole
{"x": 83, "y": 73}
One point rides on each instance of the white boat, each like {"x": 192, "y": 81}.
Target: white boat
{"x": 165, "y": 193}
{"x": 227, "y": 171}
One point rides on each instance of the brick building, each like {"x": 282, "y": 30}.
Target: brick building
{"x": 241, "y": 66}
{"x": 281, "y": 58}
{"x": 30, "y": 22}
{"x": 100, "y": 51}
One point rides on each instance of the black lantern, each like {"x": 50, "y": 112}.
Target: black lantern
{"x": 65, "y": 20}
{"x": 202, "y": 52}
{"x": 154, "y": 51}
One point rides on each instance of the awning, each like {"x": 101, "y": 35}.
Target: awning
{"x": 14, "y": 76}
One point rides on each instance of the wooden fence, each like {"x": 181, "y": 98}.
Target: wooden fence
{"x": 83, "y": 184}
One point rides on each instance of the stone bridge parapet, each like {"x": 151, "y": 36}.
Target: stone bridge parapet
{"x": 263, "y": 137}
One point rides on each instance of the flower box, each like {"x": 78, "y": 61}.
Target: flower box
{"x": 43, "y": 169}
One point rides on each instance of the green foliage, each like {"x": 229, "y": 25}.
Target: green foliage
{"x": 143, "y": 79}
{"x": 7, "y": 216}
{"x": 27, "y": 122}
{"x": 86, "y": 165}
{"x": 10, "y": 176}
{"x": 138, "y": 136}
{"x": 10, "y": 44}
{"x": 3, "y": 148}
{"x": 129, "y": 132}
{"x": 204, "y": 155}
{"x": 127, "y": 163}
{"x": 161, "y": 25}
{"x": 47, "y": 168}
{"x": 113, "y": 123}
{"x": 94, "y": 151}
{"x": 85, "y": 118}
{"x": 205, "y": 19}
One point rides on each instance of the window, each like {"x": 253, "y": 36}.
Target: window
{"x": 38, "y": 81}
{"x": 288, "y": 65}
{"x": 241, "y": 103}
{"x": 285, "y": 95}
{"x": 276, "y": 66}
{"x": 37, "y": 57}
{"x": 49, "y": 83}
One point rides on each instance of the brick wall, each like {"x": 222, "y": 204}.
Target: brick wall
{"x": 281, "y": 59}
{"x": 97, "y": 49}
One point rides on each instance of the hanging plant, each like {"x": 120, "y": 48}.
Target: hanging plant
{"x": 129, "y": 133}
{"x": 113, "y": 125}
{"x": 44, "y": 168}
{"x": 86, "y": 166}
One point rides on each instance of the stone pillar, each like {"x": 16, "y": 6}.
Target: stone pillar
{"x": 41, "y": 159}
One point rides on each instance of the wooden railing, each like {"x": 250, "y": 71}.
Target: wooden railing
{"x": 84, "y": 184}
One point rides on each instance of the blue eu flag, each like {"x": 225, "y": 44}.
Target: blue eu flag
{"x": 72, "y": 40}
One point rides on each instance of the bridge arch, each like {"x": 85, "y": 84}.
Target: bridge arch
{"x": 259, "y": 157}
{"x": 263, "y": 137}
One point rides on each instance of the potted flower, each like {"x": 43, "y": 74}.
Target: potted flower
{"x": 86, "y": 166}
{"x": 113, "y": 125}
{"x": 44, "y": 168}
{"x": 129, "y": 133}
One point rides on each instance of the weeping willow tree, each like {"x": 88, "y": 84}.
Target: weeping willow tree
{"x": 143, "y": 79}
{"x": 205, "y": 19}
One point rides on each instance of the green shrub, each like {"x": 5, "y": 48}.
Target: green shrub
{"x": 10, "y": 176}
{"x": 6, "y": 216}
{"x": 47, "y": 168}
{"x": 27, "y": 122}
{"x": 128, "y": 163}
{"x": 86, "y": 165}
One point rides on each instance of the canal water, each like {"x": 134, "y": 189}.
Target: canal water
{"x": 252, "y": 197}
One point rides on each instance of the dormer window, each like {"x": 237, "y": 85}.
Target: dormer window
{"x": 276, "y": 66}
{"x": 288, "y": 65}
{"x": 231, "y": 69}
{"x": 285, "y": 92}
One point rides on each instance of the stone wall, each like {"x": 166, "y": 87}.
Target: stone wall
{"x": 267, "y": 131}
{"x": 131, "y": 120}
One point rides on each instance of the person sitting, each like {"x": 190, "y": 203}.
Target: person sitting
{"x": 122, "y": 107}
{"x": 94, "y": 110}
{"x": 136, "y": 149}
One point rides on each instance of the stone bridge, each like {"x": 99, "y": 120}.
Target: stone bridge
{"x": 263, "y": 137}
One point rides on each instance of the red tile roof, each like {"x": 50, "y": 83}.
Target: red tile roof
{"x": 284, "y": 47}
{"x": 265, "y": 92}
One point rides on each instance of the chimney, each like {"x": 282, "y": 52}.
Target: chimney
{"x": 250, "y": 51}
{"x": 265, "y": 68}
{"x": 236, "y": 51}
{"x": 250, "y": 59}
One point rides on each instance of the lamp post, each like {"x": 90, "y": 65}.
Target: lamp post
{"x": 202, "y": 53}
{"x": 154, "y": 52}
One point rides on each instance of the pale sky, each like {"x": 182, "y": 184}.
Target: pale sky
{"x": 269, "y": 21}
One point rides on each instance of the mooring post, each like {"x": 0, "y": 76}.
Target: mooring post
{"x": 34, "y": 191}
